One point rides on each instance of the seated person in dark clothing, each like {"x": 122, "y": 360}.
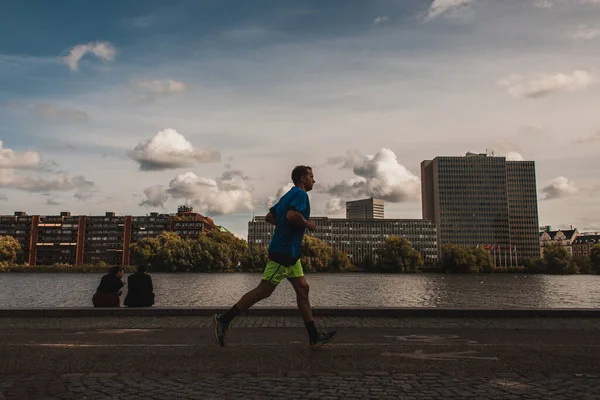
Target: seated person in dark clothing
{"x": 140, "y": 290}
{"x": 109, "y": 290}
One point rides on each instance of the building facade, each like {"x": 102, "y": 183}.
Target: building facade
{"x": 582, "y": 244}
{"x": 562, "y": 238}
{"x": 365, "y": 209}
{"x": 359, "y": 238}
{"x": 482, "y": 200}
{"x": 79, "y": 240}
{"x": 522, "y": 209}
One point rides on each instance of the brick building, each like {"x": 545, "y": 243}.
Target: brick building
{"x": 78, "y": 240}
{"x": 582, "y": 244}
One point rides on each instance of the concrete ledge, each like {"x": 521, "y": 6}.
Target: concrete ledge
{"x": 321, "y": 312}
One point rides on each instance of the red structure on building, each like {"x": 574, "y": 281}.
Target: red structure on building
{"x": 50, "y": 239}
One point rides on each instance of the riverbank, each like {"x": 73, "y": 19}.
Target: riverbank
{"x": 63, "y": 268}
{"x": 333, "y": 312}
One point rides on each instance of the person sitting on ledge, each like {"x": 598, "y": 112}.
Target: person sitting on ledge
{"x": 109, "y": 290}
{"x": 139, "y": 289}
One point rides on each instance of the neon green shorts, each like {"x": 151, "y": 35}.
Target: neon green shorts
{"x": 275, "y": 273}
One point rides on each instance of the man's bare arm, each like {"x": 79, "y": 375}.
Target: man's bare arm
{"x": 297, "y": 219}
{"x": 270, "y": 218}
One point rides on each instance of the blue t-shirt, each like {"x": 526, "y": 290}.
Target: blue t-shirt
{"x": 287, "y": 239}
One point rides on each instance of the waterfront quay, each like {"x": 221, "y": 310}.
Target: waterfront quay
{"x": 171, "y": 353}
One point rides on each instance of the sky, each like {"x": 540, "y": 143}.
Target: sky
{"x": 134, "y": 107}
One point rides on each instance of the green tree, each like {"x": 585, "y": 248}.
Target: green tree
{"x": 368, "y": 263}
{"x": 255, "y": 258}
{"x": 340, "y": 262}
{"x": 558, "y": 260}
{"x": 236, "y": 248}
{"x": 584, "y": 263}
{"x": 316, "y": 255}
{"x": 165, "y": 252}
{"x": 222, "y": 251}
{"x": 536, "y": 266}
{"x": 484, "y": 260}
{"x": 9, "y": 250}
{"x": 595, "y": 258}
{"x": 459, "y": 259}
{"x": 398, "y": 255}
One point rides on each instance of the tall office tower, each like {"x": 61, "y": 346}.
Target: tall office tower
{"x": 482, "y": 200}
{"x": 365, "y": 209}
{"x": 522, "y": 209}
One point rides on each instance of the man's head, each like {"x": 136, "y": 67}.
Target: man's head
{"x": 141, "y": 269}
{"x": 116, "y": 271}
{"x": 302, "y": 176}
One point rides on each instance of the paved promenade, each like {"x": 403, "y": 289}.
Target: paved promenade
{"x": 268, "y": 358}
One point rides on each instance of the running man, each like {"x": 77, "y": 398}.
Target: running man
{"x": 291, "y": 218}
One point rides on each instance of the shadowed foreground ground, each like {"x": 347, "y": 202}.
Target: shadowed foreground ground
{"x": 268, "y": 357}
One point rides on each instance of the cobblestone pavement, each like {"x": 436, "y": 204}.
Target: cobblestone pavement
{"x": 296, "y": 322}
{"x": 298, "y": 385}
{"x": 383, "y": 358}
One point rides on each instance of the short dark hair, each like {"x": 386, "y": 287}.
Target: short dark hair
{"x": 115, "y": 270}
{"x": 299, "y": 172}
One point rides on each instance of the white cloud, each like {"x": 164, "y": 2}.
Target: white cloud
{"x": 151, "y": 89}
{"x": 440, "y": 7}
{"x": 11, "y": 159}
{"x": 168, "y": 150}
{"x": 213, "y": 196}
{"x": 84, "y": 194}
{"x": 335, "y": 205}
{"x": 60, "y": 182}
{"x": 585, "y": 32}
{"x": 103, "y": 50}
{"x": 380, "y": 176}
{"x": 514, "y": 156}
{"x": 546, "y": 4}
{"x": 271, "y": 200}
{"x": 588, "y": 139}
{"x": 352, "y": 158}
{"x": 510, "y": 80}
{"x": 532, "y": 129}
{"x": 227, "y": 194}
{"x": 64, "y": 114}
{"x": 547, "y": 84}
{"x": 156, "y": 196}
{"x": 51, "y": 202}
{"x": 558, "y": 188}
{"x": 508, "y": 149}
{"x": 379, "y": 20}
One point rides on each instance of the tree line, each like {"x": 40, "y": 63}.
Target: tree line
{"x": 217, "y": 251}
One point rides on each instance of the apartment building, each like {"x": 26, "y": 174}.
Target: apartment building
{"x": 78, "y": 240}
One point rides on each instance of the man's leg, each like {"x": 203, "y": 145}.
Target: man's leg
{"x": 262, "y": 291}
{"x": 301, "y": 287}
{"x": 315, "y": 337}
{"x": 272, "y": 276}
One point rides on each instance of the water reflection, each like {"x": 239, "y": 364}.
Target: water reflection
{"x": 327, "y": 290}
